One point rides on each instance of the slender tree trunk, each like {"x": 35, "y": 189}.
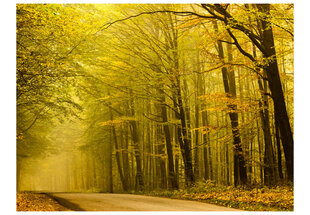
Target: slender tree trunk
{"x": 279, "y": 152}
{"x": 230, "y": 90}
{"x": 110, "y": 164}
{"x": 197, "y": 117}
{"x": 185, "y": 141}
{"x": 82, "y": 175}
{"x": 137, "y": 153}
{"x": 186, "y": 102}
{"x": 240, "y": 175}
{"x": 118, "y": 156}
{"x": 196, "y": 145}
{"x": 171, "y": 174}
{"x": 160, "y": 154}
{"x": 126, "y": 166}
{"x": 269, "y": 174}
{"x": 205, "y": 153}
{"x": 148, "y": 153}
{"x": 176, "y": 160}
{"x": 135, "y": 139}
{"x": 208, "y": 171}
{"x": 207, "y": 168}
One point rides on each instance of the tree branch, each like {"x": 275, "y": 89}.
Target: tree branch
{"x": 155, "y": 120}
{"x": 224, "y": 41}
{"x": 179, "y": 13}
{"x": 35, "y": 119}
{"x": 230, "y": 21}
{"x": 239, "y": 47}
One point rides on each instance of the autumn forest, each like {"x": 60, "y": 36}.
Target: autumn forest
{"x": 154, "y": 97}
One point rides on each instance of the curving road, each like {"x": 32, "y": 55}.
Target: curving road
{"x": 129, "y": 202}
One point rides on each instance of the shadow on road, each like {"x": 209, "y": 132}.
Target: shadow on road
{"x": 66, "y": 203}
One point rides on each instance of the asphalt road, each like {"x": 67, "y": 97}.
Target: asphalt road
{"x": 129, "y": 202}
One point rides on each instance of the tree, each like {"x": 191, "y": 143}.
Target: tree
{"x": 265, "y": 43}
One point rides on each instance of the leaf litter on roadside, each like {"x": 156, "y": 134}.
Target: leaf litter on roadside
{"x": 37, "y": 202}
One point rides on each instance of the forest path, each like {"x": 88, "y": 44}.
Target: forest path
{"x": 129, "y": 202}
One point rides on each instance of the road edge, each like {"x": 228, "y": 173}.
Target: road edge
{"x": 65, "y": 203}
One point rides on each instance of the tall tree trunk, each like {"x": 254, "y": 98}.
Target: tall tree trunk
{"x": 184, "y": 139}
{"x": 240, "y": 175}
{"x": 135, "y": 139}
{"x": 171, "y": 174}
{"x": 118, "y": 156}
{"x": 161, "y": 158}
{"x": 82, "y": 175}
{"x": 230, "y": 90}
{"x": 126, "y": 167}
{"x": 269, "y": 174}
{"x": 279, "y": 152}
{"x": 208, "y": 172}
{"x": 137, "y": 153}
{"x": 196, "y": 145}
{"x": 275, "y": 87}
{"x": 186, "y": 102}
{"x": 176, "y": 160}
{"x": 147, "y": 166}
{"x": 110, "y": 164}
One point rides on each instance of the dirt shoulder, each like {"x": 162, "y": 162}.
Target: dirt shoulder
{"x": 27, "y": 201}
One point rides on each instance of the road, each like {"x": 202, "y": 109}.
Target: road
{"x": 129, "y": 202}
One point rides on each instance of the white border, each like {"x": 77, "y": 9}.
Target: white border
{"x": 8, "y": 108}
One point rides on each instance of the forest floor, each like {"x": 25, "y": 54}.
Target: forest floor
{"x": 28, "y": 201}
{"x": 278, "y": 198}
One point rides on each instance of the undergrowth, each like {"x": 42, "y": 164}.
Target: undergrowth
{"x": 277, "y": 198}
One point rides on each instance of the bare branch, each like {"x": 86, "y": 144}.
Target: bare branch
{"x": 239, "y": 47}
{"x": 179, "y": 13}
